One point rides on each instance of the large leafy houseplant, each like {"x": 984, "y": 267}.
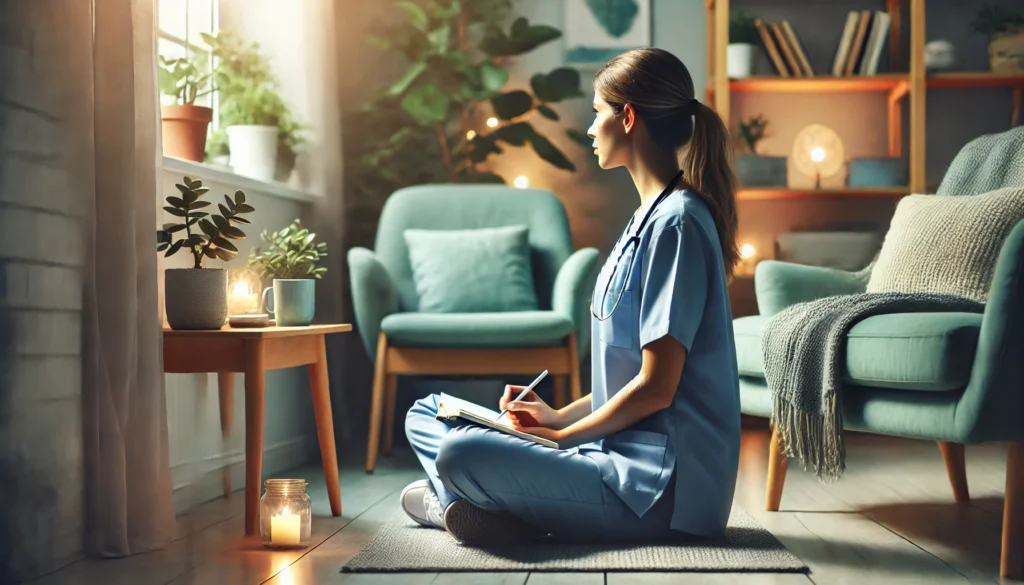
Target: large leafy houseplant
{"x": 427, "y": 126}
{"x": 292, "y": 253}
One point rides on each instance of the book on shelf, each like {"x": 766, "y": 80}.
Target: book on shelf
{"x": 771, "y": 48}
{"x": 857, "y": 46}
{"x": 876, "y": 40}
{"x": 860, "y": 46}
{"x": 798, "y": 50}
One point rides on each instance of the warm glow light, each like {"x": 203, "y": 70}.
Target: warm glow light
{"x": 521, "y": 182}
{"x": 747, "y": 251}
{"x": 492, "y": 122}
{"x": 241, "y": 288}
{"x": 286, "y": 576}
{"x": 471, "y": 135}
{"x": 817, "y": 154}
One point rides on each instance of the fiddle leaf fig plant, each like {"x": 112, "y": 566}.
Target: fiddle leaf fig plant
{"x": 207, "y": 235}
{"x": 292, "y": 253}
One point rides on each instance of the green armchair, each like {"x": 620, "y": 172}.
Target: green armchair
{"x": 954, "y": 378}
{"x": 401, "y": 340}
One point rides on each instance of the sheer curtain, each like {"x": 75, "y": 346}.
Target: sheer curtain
{"x": 128, "y": 506}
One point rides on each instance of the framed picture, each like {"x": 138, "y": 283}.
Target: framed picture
{"x": 597, "y": 30}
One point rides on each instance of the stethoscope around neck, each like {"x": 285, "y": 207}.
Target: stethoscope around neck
{"x": 634, "y": 241}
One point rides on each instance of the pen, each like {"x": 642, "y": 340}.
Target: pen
{"x": 524, "y": 392}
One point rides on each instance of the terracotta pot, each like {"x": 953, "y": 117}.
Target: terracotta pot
{"x": 184, "y": 131}
{"x": 1006, "y": 52}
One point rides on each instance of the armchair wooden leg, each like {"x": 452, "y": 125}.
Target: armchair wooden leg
{"x": 1011, "y": 565}
{"x": 377, "y": 403}
{"x": 559, "y": 393}
{"x": 575, "y": 392}
{"x": 777, "y": 465}
{"x": 390, "y": 395}
{"x": 956, "y": 469}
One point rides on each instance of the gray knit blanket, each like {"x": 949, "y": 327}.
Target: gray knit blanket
{"x": 804, "y": 346}
{"x": 804, "y": 350}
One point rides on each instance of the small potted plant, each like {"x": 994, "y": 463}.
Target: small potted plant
{"x": 743, "y": 48}
{"x": 753, "y": 169}
{"x": 196, "y": 298}
{"x": 291, "y": 260}
{"x": 184, "y": 123}
{"x": 1005, "y": 31}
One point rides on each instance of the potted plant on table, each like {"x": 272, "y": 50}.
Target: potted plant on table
{"x": 742, "y": 50}
{"x": 196, "y": 298}
{"x": 753, "y": 169}
{"x": 291, "y": 260}
{"x": 184, "y": 123}
{"x": 1005, "y": 31}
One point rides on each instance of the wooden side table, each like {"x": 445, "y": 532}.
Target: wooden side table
{"x": 253, "y": 351}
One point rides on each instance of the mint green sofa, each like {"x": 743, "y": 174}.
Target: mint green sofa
{"x": 402, "y": 341}
{"x": 954, "y": 378}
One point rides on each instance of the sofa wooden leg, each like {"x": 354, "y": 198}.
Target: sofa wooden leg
{"x": 390, "y": 396}
{"x": 956, "y": 469}
{"x": 575, "y": 391}
{"x": 377, "y": 403}
{"x": 776, "y": 473}
{"x": 1011, "y": 565}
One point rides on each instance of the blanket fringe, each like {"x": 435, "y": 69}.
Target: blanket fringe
{"x": 815, "y": 439}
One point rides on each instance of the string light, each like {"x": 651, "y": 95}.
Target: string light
{"x": 492, "y": 122}
{"x": 747, "y": 251}
{"x": 471, "y": 135}
{"x": 521, "y": 182}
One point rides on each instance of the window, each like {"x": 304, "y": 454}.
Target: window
{"x": 180, "y": 24}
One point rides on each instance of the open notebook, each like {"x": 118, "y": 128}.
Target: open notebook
{"x": 450, "y": 407}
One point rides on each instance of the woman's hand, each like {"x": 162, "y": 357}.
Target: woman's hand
{"x": 531, "y": 411}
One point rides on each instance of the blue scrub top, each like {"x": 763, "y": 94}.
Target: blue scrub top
{"x": 677, "y": 286}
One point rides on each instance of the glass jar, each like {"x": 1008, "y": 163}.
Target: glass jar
{"x": 285, "y": 514}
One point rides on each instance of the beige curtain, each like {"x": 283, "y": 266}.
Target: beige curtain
{"x": 128, "y": 506}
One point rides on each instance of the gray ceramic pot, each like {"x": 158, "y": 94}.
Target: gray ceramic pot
{"x": 761, "y": 171}
{"x": 196, "y": 298}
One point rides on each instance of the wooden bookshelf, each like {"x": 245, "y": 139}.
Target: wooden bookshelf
{"x": 913, "y": 85}
{"x": 754, "y": 194}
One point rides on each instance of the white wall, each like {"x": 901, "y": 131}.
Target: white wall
{"x": 197, "y": 450}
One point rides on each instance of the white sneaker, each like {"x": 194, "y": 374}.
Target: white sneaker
{"x": 421, "y": 504}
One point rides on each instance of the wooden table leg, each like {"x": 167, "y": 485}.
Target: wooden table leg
{"x": 255, "y": 387}
{"x": 390, "y": 403}
{"x": 226, "y": 390}
{"x": 321, "y": 390}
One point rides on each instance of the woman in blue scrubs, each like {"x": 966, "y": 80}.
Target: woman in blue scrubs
{"x": 652, "y": 451}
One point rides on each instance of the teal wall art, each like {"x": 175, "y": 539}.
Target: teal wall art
{"x": 597, "y": 30}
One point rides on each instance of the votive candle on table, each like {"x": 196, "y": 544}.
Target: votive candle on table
{"x": 285, "y": 514}
{"x": 285, "y": 528}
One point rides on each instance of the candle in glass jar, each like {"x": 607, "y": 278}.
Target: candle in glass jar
{"x": 242, "y": 299}
{"x": 285, "y": 528}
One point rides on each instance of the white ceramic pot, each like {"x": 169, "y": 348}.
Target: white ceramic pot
{"x": 739, "y": 59}
{"x": 253, "y": 151}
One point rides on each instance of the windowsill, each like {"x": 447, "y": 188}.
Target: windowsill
{"x": 223, "y": 174}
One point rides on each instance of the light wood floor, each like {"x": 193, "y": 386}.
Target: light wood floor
{"x": 891, "y": 519}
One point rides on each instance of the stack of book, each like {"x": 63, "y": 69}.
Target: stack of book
{"x": 859, "y": 50}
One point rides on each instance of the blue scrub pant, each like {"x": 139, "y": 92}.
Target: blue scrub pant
{"x": 558, "y": 491}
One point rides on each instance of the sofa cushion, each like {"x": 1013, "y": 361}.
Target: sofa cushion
{"x": 906, "y": 351}
{"x": 472, "y": 270}
{"x": 477, "y": 330}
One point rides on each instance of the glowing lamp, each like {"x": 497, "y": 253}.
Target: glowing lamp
{"x": 492, "y": 122}
{"x": 521, "y": 182}
{"x": 243, "y": 292}
{"x": 818, "y": 152}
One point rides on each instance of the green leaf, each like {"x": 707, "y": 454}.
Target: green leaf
{"x": 495, "y": 43}
{"x": 229, "y": 202}
{"x": 239, "y": 219}
{"x": 580, "y": 137}
{"x": 190, "y": 196}
{"x": 493, "y": 78}
{"x": 196, "y": 240}
{"x": 483, "y": 146}
{"x": 439, "y": 39}
{"x": 200, "y": 190}
{"x": 183, "y": 188}
{"x": 410, "y": 75}
{"x": 224, "y": 243}
{"x": 161, "y": 247}
{"x": 549, "y": 152}
{"x": 525, "y": 37}
{"x": 561, "y": 84}
{"x": 427, "y": 104}
{"x": 224, "y": 210}
{"x": 417, "y": 15}
{"x": 239, "y": 197}
{"x": 221, "y": 222}
{"x": 199, "y": 205}
{"x": 223, "y": 254}
{"x": 174, "y": 248}
{"x": 175, "y": 228}
{"x": 244, "y": 208}
{"x": 210, "y": 252}
{"x": 547, "y": 112}
{"x": 208, "y": 227}
{"x": 512, "y": 104}
{"x": 197, "y": 214}
{"x": 175, "y": 211}
{"x": 515, "y": 134}
{"x": 231, "y": 231}
{"x": 164, "y": 236}
{"x": 166, "y": 81}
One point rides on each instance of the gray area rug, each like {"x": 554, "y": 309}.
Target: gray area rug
{"x": 403, "y": 546}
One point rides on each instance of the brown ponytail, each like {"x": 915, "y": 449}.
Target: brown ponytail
{"x": 660, "y": 89}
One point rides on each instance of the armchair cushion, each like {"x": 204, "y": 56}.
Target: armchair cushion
{"x": 472, "y": 270}
{"x": 902, "y": 351}
{"x": 477, "y": 330}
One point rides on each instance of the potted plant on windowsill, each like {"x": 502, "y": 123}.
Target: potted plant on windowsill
{"x": 196, "y": 298}
{"x": 291, "y": 260}
{"x": 1005, "y": 31}
{"x": 742, "y": 50}
{"x": 184, "y": 124}
{"x": 754, "y": 170}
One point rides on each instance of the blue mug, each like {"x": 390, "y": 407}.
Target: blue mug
{"x": 291, "y": 301}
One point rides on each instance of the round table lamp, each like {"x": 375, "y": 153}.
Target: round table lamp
{"x": 818, "y": 152}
